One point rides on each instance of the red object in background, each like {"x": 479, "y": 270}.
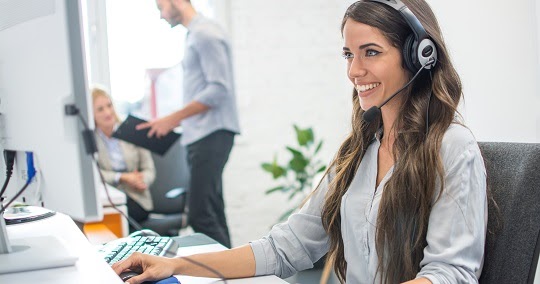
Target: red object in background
{"x": 153, "y": 74}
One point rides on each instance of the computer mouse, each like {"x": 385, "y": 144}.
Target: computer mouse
{"x": 144, "y": 233}
{"x": 126, "y": 275}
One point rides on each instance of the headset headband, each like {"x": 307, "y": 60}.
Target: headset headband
{"x": 422, "y": 49}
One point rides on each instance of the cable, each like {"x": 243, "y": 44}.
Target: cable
{"x": 429, "y": 103}
{"x": 31, "y": 173}
{"x": 9, "y": 156}
{"x": 130, "y": 220}
{"x": 219, "y": 275}
{"x": 73, "y": 110}
{"x": 91, "y": 148}
{"x": 14, "y": 197}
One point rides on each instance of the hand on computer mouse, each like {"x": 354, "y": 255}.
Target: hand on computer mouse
{"x": 126, "y": 275}
{"x": 152, "y": 267}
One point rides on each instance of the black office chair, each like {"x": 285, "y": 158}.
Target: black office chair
{"x": 512, "y": 244}
{"x": 169, "y": 192}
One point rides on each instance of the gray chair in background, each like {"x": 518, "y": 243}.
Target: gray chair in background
{"x": 169, "y": 192}
{"x": 512, "y": 244}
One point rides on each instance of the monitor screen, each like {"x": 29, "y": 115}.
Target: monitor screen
{"x": 42, "y": 68}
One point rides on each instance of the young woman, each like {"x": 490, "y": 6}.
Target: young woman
{"x": 124, "y": 165}
{"x": 404, "y": 200}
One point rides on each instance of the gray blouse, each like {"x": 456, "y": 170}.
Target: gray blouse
{"x": 456, "y": 230}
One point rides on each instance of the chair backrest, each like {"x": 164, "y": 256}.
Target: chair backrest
{"x": 512, "y": 244}
{"x": 171, "y": 172}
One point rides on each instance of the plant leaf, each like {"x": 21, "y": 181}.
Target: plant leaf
{"x": 301, "y": 169}
{"x": 298, "y": 164}
{"x": 319, "y": 146}
{"x": 267, "y": 167}
{"x": 295, "y": 152}
{"x": 274, "y": 189}
{"x": 276, "y": 170}
{"x": 321, "y": 169}
{"x": 304, "y": 136}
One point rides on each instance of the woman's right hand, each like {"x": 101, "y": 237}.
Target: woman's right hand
{"x": 151, "y": 268}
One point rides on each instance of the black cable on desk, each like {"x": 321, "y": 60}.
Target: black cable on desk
{"x": 217, "y": 273}
{"x": 9, "y": 156}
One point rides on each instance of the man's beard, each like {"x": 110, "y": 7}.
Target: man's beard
{"x": 176, "y": 19}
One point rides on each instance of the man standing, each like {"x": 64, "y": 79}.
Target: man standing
{"x": 209, "y": 117}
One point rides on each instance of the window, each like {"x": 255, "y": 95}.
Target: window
{"x": 136, "y": 40}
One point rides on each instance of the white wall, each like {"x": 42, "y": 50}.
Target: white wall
{"x": 289, "y": 70}
{"x": 494, "y": 44}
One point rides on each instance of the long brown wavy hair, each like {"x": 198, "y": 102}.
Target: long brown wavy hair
{"x": 417, "y": 179}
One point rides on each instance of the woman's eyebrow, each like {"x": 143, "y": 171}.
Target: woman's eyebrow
{"x": 363, "y": 46}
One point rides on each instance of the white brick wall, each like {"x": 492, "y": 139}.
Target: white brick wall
{"x": 288, "y": 70}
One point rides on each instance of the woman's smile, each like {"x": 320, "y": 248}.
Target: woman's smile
{"x": 365, "y": 90}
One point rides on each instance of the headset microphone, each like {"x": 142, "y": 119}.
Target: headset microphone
{"x": 375, "y": 111}
{"x": 371, "y": 113}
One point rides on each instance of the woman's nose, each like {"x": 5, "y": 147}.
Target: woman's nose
{"x": 357, "y": 68}
{"x": 109, "y": 110}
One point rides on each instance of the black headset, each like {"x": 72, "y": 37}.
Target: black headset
{"x": 419, "y": 51}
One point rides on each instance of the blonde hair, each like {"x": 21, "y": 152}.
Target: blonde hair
{"x": 99, "y": 91}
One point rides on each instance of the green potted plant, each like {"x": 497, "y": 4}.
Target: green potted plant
{"x": 296, "y": 177}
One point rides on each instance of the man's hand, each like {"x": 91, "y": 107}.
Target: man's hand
{"x": 160, "y": 127}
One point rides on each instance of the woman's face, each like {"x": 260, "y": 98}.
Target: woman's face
{"x": 373, "y": 65}
{"x": 104, "y": 113}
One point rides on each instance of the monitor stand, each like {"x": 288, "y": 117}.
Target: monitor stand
{"x": 32, "y": 253}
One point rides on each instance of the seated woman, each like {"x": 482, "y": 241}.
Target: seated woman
{"x": 124, "y": 165}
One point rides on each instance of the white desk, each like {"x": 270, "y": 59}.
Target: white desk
{"x": 90, "y": 268}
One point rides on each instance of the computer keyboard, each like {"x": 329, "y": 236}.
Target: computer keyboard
{"x": 122, "y": 248}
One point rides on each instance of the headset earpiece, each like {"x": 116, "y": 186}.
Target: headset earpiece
{"x": 426, "y": 52}
{"x": 418, "y": 49}
{"x": 408, "y": 54}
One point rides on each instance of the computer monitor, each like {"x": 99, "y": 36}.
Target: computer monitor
{"x": 42, "y": 69}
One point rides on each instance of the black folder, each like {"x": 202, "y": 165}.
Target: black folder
{"x": 127, "y": 132}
